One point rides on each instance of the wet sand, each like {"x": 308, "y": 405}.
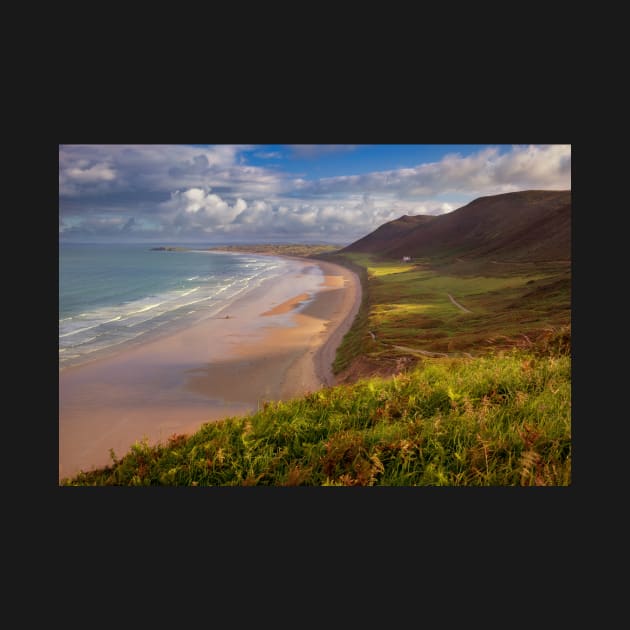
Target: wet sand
{"x": 277, "y": 342}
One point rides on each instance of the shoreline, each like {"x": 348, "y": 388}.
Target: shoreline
{"x": 181, "y": 322}
{"x": 278, "y": 343}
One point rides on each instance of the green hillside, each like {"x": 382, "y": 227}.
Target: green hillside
{"x": 461, "y": 309}
{"x": 500, "y": 420}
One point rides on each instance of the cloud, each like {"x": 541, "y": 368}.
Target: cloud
{"x": 307, "y": 151}
{"x": 483, "y": 173}
{"x": 201, "y": 208}
{"x": 98, "y": 226}
{"x": 268, "y": 155}
{"x": 205, "y": 193}
{"x": 89, "y": 169}
{"x": 91, "y": 174}
{"x": 129, "y": 225}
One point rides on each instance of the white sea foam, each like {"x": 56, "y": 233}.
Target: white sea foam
{"x": 185, "y": 293}
{"x": 77, "y": 331}
{"x": 145, "y": 308}
{"x": 107, "y": 326}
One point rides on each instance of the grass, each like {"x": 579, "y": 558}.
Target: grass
{"x": 499, "y": 420}
{"x": 409, "y": 304}
{"x": 496, "y": 412}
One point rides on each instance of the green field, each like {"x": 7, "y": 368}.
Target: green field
{"x": 408, "y": 305}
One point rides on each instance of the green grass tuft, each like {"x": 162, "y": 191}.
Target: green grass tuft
{"x": 497, "y": 420}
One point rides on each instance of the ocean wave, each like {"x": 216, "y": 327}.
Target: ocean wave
{"x": 185, "y": 293}
{"x": 78, "y": 330}
{"x": 203, "y": 299}
{"x": 144, "y": 309}
{"x": 107, "y": 326}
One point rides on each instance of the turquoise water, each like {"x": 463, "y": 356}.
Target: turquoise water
{"x": 114, "y": 294}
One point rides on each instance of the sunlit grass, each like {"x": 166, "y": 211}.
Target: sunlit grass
{"x": 411, "y": 302}
{"x": 501, "y": 420}
{"x": 387, "y": 270}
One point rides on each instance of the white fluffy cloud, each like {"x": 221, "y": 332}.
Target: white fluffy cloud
{"x": 486, "y": 172}
{"x": 84, "y": 169}
{"x": 89, "y": 174}
{"x": 199, "y": 207}
{"x": 202, "y": 210}
{"x": 190, "y": 192}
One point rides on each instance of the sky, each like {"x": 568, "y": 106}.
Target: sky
{"x": 276, "y": 193}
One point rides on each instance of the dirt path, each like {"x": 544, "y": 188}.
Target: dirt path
{"x": 452, "y": 299}
{"x": 427, "y": 353}
{"x": 430, "y": 353}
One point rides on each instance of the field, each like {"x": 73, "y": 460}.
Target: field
{"x": 412, "y": 309}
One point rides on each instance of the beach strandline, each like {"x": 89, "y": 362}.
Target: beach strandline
{"x": 274, "y": 343}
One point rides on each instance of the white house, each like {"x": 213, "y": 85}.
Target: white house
{"x": 406, "y": 258}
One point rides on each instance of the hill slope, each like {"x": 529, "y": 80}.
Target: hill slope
{"x": 532, "y": 225}
{"x": 499, "y": 421}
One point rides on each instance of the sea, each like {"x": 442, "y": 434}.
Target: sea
{"x": 115, "y": 294}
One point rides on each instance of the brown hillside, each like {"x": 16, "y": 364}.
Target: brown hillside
{"x": 528, "y": 225}
{"x": 388, "y": 233}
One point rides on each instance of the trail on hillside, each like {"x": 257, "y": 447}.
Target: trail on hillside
{"x": 452, "y": 299}
{"x": 428, "y": 353}
{"x": 431, "y": 353}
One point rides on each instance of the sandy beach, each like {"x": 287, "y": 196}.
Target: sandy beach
{"x": 274, "y": 343}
